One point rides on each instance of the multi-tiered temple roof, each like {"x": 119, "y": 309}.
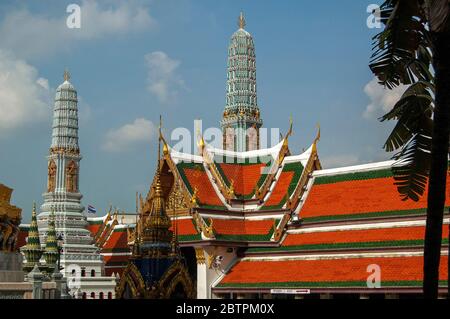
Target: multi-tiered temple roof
{"x": 258, "y": 221}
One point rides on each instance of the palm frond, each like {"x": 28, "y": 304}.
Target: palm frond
{"x": 413, "y": 164}
{"x": 394, "y": 49}
{"x": 415, "y": 104}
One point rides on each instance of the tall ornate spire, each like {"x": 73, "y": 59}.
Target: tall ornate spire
{"x": 51, "y": 246}
{"x": 155, "y": 235}
{"x": 241, "y": 115}
{"x": 62, "y": 210}
{"x": 241, "y": 22}
{"x": 65, "y": 118}
{"x": 32, "y": 250}
{"x": 33, "y": 241}
{"x": 66, "y": 75}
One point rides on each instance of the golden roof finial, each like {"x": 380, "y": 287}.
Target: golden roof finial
{"x": 316, "y": 139}
{"x": 318, "y": 134}
{"x": 66, "y": 75}
{"x": 201, "y": 142}
{"x": 241, "y": 22}
{"x": 289, "y": 133}
{"x": 161, "y": 138}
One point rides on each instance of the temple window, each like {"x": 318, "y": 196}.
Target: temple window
{"x": 72, "y": 177}
{"x": 51, "y": 176}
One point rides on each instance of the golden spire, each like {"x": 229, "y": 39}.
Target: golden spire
{"x": 66, "y": 75}
{"x": 289, "y": 133}
{"x": 201, "y": 141}
{"x": 317, "y": 138}
{"x": 241, "y": 21}
{"x": 162, "y": 139}
{"x": 318, "y": 134}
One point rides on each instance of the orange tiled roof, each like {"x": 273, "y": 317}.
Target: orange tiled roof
{"x": 93, "y": 228}
{"x": 395, "y": 271}
{"x": 195, "y": 178}
{"x": 396, "y": 234}
{"x": 118, "y": 239}
{"x": 109, "y": 260}
{"x": 115, "y": 264}
{"x": 281, "y": 188}
{"x": 358, "y": 197}
{"x": 244, "y": 176}
{"x": 242, "y": 227}
{"x": 184, "y": 227}
{"x": 285, "y": 185}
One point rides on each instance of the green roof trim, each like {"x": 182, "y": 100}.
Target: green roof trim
{"x": 184, "y": 238}
{"x": 198, "y": 166}
{"x": 326, "y": 284}
{"x": 245, "y": 237}
{"x": 344, "y": 177}
{"x": 328, "y": 246}
{"x": 95, "y": 222}
{"x": 248, "y": 237}
{"x": 392, "y": 213}
{"x": 295, "y": 167}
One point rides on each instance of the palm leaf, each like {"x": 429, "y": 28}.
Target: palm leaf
{"x": 415, "y": 104}
{"x": 394, "y": 49}
{"x": 413, "y": 163}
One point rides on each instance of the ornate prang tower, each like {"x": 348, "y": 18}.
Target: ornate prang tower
{"x": 63, "y": 197}
{"x": 241, "y": 117}
{"x": 156, "y": 268}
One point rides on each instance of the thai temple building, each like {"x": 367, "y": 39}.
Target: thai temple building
{"x": 79, "y": 259}
{"x": 245, "y": 221}
{"x": 270, "y": 223}
{"x": 156, "y": 268}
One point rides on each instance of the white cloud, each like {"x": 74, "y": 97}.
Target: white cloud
{"x": 31, "y": 35}
{"x": 24, "y": 97}
{"x": 163, "y": 81}
{"x": 123, "y": 138}
{"x": 381, "y": 99}
{"x": 340, "y": 160}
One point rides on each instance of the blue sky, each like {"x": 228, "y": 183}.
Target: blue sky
{"x": 134, "y": 60}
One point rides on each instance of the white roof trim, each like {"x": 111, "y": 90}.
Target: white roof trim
{"x": 303, "y": 157}
{"x": 96, "y": 219}
{"x": 273, "y": 151}
{"x": 250, "y": 218}
{"x": 123, "y": 226}
{"x": 178, "y": 157}
{"x": 353, "y": 169}
{"x": 396, "y": 224}
{"x": 339, "y": 256}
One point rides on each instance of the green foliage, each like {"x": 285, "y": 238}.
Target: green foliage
{"x": 402, "y": 55}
